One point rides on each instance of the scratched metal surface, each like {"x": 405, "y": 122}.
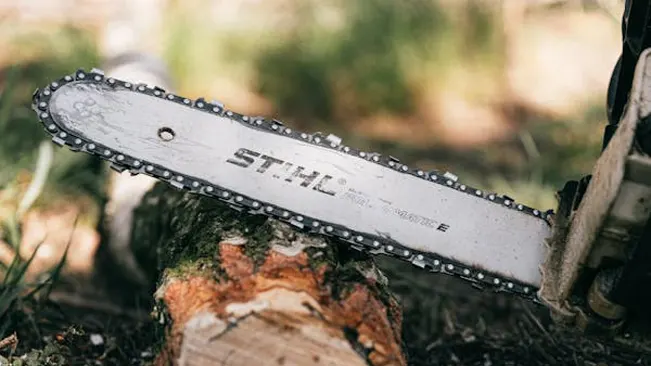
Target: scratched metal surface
{"x": 368, "y": 197}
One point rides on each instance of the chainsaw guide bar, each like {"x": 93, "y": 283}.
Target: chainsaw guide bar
{"x": 374, "y": 203}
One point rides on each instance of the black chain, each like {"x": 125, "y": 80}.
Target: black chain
{"x": 361, "y": 241}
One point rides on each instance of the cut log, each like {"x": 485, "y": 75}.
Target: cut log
{"x": 235, "y": 289}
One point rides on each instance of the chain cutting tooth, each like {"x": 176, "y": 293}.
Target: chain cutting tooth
{"x": 60, "y": 142}
{"x": 117, "y": 167}
{"x": 217, "y": 103}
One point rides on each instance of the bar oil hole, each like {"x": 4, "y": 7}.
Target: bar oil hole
{"x": 166, "y": 133}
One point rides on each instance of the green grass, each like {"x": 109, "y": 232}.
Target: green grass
{"x": 19, "y": 296}
{"x": 54, "y": 55}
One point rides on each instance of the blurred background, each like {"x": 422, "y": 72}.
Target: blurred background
{"x": 510, "y": 95}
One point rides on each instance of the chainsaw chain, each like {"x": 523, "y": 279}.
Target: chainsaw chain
{"x": 360, "y": 241}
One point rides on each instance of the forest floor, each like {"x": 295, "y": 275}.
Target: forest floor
{"x": 446, "y": 322}
{"x": 98, "y": 317}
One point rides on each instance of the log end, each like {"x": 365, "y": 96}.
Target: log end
{"x": 284, "y": 311}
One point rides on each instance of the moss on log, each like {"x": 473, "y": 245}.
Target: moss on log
{"x": 243, "y": 290}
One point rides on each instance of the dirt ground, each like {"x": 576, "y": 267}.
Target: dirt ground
{"x": 446, "y": 322}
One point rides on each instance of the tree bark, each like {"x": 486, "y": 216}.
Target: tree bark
{"x": 234, "y": 289}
